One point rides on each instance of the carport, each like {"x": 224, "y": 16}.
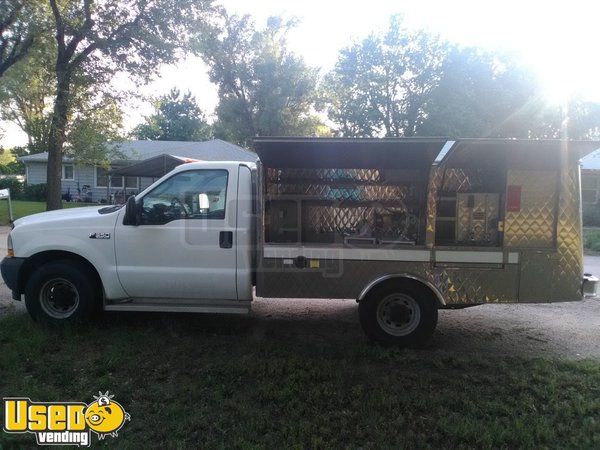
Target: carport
{"x": 154, "y": 168}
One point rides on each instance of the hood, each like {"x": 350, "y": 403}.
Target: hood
{"x": 61, "y": 215}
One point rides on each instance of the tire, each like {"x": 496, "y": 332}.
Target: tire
{"x": 61, "y": 292}
{"x": 401, "y": 313}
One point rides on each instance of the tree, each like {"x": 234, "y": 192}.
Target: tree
{"x": 9, "y": 163}
{"x": 26, "y": 95}
{"x": 380, "y": 86}
{"x": 19, "y": 25}
{"x": 176, "y": 118}
{"x": 264, "y": 89}
{"x": 97, "y": 38}
{"x": 480, "y": 94}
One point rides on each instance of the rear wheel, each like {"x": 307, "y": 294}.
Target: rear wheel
{"x": 62, "y": 291}
{"x": 401, "y": 313}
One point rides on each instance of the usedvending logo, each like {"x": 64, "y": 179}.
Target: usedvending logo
{"x": 65, "y": 423}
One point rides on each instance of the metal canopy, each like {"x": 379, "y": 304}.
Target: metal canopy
{"x": 298, "y": 152}
{"x": 496, "y": 153}
{"x": 154, "y": 167}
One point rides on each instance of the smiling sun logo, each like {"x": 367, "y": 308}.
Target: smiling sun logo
{"x": 105, "y": 416}
{"x": 64, "y": 423}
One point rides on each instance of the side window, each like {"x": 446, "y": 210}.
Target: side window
{"x": 194, "y": 194}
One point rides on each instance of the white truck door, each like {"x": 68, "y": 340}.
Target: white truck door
{"x": 185, "y": 245}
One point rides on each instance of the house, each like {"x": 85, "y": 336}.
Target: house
{"x": 92, "y": 184}
{"x": 590, "y": 179}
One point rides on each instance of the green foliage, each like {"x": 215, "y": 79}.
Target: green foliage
{"x": 26, "y": 93}
{"x": 481, "y": 95}
{"x": 264, "y": 89}
{"x": 381, "y": 85}
{"x": 9, "y": 164}
{"x": 22, "y": 191}
{"x": 20, "y": 23}
{"x": 34, "y": 192}
{"x": 405, "y": 83}
{"x": 591, "y": 215}
{"x": 15, "y": 186}
{"x": 592, "y": 241}
{"x": 97, "y": 39}
{"x": 89, "y": 133}
{"x": 176, "y": 118}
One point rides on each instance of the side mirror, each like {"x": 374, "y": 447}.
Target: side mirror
{"x": 132, "y": 216}
{"x": 203, "y": 203}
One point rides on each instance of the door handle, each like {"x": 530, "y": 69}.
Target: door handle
{"x": 226, "y": 239}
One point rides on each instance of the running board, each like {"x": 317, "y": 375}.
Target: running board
{"x": 214, "y": 308}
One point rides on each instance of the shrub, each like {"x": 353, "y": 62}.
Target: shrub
{"x": 34, "y": 192}
{"x": 15, "y": 186}
{"x": 591, "y": 216}
{"x": 592, "y": 241}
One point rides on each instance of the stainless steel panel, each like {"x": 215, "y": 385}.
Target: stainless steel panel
{"x": 346, "y": 279}
{"x": 556, "y": 275}
{"x": 533, "y": 226}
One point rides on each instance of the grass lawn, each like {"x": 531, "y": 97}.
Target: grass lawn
{"x": 210, "y": 381}
{"x": 23, "y": 208}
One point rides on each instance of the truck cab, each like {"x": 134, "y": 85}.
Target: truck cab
{"x": 183, "y": 244}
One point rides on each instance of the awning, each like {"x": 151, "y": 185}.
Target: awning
{"x": 495, "y": 153}
{"x": 154, "y": 167}
{"x": 295, "y": 152}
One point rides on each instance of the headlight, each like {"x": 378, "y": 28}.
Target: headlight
{"x": 9, "y": 246}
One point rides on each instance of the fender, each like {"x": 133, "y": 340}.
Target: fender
{"x": 98, "y": 252}
{"x": 383, "y": 278}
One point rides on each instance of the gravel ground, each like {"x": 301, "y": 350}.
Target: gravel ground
{"x": 566, "y": 330}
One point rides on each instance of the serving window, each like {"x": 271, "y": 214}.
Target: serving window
{"x": 367, "y": 206}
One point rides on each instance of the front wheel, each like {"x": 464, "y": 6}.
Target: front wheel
{"x": 401, "y": 314}
{"x": 62, "y": 291}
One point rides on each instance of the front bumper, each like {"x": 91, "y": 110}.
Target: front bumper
{"x": 10, "y": 268}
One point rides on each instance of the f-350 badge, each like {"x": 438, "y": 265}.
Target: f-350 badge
{"x": 99, "y": 235}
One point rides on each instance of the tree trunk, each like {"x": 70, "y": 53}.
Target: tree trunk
{"x": 56, "y": 138}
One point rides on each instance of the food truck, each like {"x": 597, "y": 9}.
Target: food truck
{"x": 405, "y": 226}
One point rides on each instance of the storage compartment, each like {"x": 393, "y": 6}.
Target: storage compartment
{"x": 470, "y": 207}
{"x": 345, "y": 206}
{"x": 477, "y": 218}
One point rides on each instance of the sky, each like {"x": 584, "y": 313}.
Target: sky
{"x": 558, "y": 40}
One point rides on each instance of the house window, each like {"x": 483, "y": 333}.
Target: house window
{"x": 115, "y": 181}
{"x": 131, "y": 182}
{"x": 68, "y": 172}
{"x": 590, "y": 187}
{"x": 101, "y": 177}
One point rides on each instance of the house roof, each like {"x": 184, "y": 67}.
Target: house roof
{"x": 213, "y": 150}
{"x": 591, "y": 161}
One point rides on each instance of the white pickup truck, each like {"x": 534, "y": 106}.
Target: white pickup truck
{"x": 405, "y": 226}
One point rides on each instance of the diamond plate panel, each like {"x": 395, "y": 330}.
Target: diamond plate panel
{"x": 435, "y": 182}
{"x": 457, "y": 286}
{"x": 462, "y": 180}
{"x": 568, "y": 273}
{"x": 533, "y": 225}
{"x": 292, "y": 175}
{"x": 313, "y": 190}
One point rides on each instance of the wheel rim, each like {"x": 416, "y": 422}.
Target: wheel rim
{"x": 59, "y": 298}
{"x": 398, "y": 314}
